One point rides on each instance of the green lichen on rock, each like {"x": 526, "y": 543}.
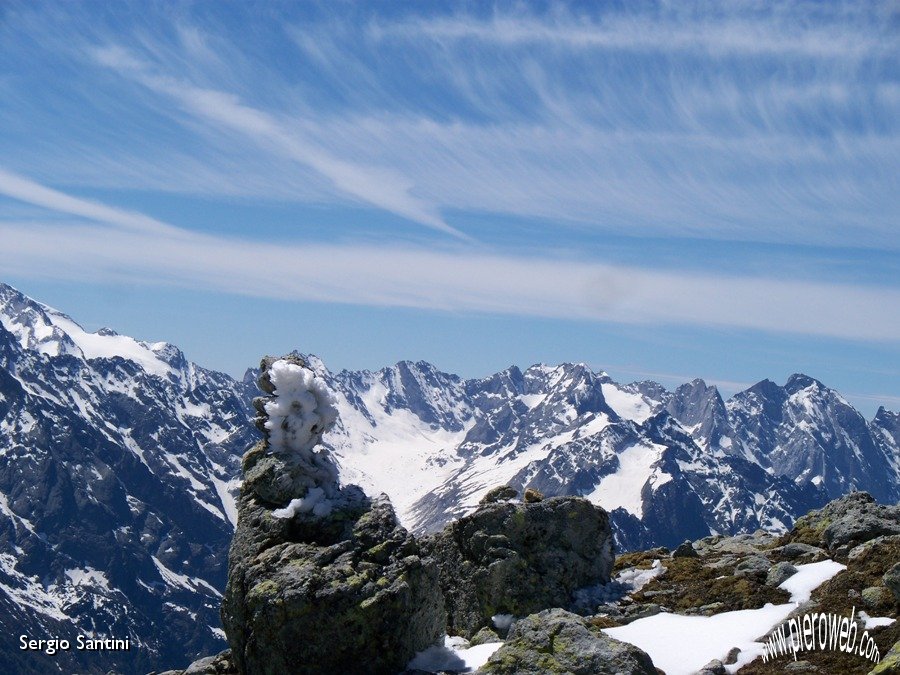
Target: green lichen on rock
{"x": 321, "y": 605}
{"x": 556, "y": 641}
{"x": 514, "y": 558}
{"x": 846, "y": 522}
{"x": 890, "y": 662}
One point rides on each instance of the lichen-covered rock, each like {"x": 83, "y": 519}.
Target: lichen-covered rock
{"x": 892, "y": 581}
{"x": 890, "y": 662}
{"x": 532, "y": 496}
{"x": 501, "y": 493}
{"x": 556, "y": 641}
{"x": 514, "y": 558}
{"x": 876, "y": 597}
{"x": 779, "y": 573}
{"x": 484, "y": 636}
{"x": 322, "y": 579}
{"x": 849, "y": 521}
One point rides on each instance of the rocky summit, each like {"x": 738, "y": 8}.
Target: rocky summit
{"x": 322, "y": 579}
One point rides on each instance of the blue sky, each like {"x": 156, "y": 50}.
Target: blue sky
{"x": 665, "y": 190}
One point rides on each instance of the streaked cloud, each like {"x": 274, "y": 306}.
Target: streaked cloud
{"x": 745, "y": 122}
{"x": 379, "y": 186}
{"x": 25, "y": 190}
{"x": 447, "y": 280}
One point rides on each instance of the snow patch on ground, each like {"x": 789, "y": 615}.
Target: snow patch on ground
{"x": 393, "y": 452}
{"x": 628, "y": 581}
{"x": 681, "y": 645}
{"x": 224, "y": 490}
{"x": 532, "y": 400}
{"x": 454, "y": 654}
{"x": 874, "y": 621}
{"x": 87, "y": 576}
{"x": 182, "y": 581}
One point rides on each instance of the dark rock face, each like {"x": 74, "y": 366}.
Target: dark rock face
{"x": 115, "y": 486}
{"x": 340, "y": 589}
{"x": 556, "y": 641}
{"x": 518, "y": 559}
{"x": 685, "y": 550}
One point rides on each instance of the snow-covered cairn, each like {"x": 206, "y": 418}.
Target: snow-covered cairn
{"x": 301, "y": 410}
{"x": 321, "y": 578}
{"x": 290, "y": 469}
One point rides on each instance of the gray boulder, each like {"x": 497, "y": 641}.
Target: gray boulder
{"x": 800, "y": 553}
{"x": 220, "y": 664}
{"x": 779, "y": 573}
{"x": 847, "y": 522}
{"x": 556, "y": 641}
{"x": 323, "y": 580}
{"x": 714, "y": 667}
{"x": 517, "y": 558}
{"x": 685, "y": 550}
{"x": 756, "y": 566}
{"x": 892, "y": 581}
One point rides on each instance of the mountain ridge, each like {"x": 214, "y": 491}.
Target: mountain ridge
{"x": 121, "y": 458}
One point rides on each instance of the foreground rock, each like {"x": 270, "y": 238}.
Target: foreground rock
{"x": 515, "y": 558}
{"x": 220, "y": 664}
{"x": 321, "y": 578}
{"x": 556, "y": 641}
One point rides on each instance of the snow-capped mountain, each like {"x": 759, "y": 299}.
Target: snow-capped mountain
{"x": 668, "y": 465}
{"x": 118, "y": 462}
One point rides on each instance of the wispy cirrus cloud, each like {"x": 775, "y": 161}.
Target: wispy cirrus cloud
{"x": 28, "y": 191}
{"x": 381, "y": 187}
{"x": 741, "y": 29}
{"x": 744, "y": 122}
{"x": 437, "y": 280}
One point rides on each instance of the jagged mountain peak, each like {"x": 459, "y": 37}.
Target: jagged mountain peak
{"x": 798, "y": 381}
{"x": 886, "y": 417}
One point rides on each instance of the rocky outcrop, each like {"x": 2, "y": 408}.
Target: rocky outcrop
{"x": 220, "y": 664}
{"x": 847, "y": 522}
{"x": 520, "y": 558}
{"x": 321, "y": 578}
{"x": 556, "y": 641}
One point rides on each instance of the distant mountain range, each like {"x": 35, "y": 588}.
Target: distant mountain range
{"x": 119, "y": 460}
